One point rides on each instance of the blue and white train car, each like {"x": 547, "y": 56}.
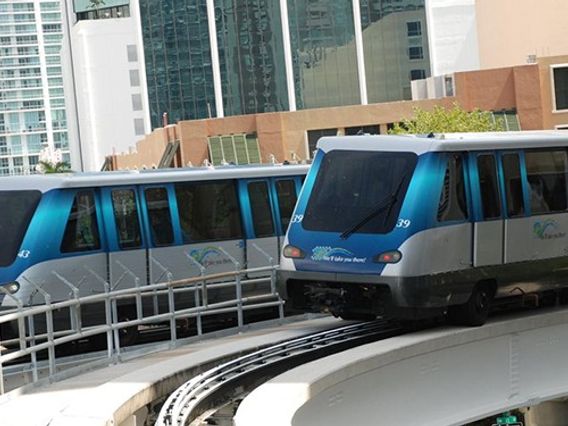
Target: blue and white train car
{"x": 118, "y": 226}
{"x": 415, "y": 225}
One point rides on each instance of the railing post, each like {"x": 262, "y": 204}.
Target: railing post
{"x": 49, "y": 326}
{"x": 108, "y": 312}
{"x": 172, "y": 309}
{"x": 239, "y": 288}
{"x": 31, "y": 327}
{"x": 272, "y": 271}
{"x": 75, "y": 310}
{"x": 115, "y": 331}
{"x": 203, "y": 289}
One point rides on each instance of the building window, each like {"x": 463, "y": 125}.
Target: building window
{"x": 134, "y": 78}
{"x": 363, "y": 130}
{"x": 560, "y": 82}
{"x": 137, "y": 102}
{"x": 315, "y": 135}
{"x": 234, "y": 149}
{"x": 417, "y": 74}
{"x": 413, "y": 29}
{"x": 132, "y": 53}
{"x": 415, "y": 52}
{"x": 139, "y": 127}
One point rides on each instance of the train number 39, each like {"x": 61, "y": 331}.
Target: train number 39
{"x": 403, "y": 223}
{"x": 297, "y": 218}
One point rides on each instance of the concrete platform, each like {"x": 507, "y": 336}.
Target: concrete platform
{"x": 110, "y": 396}
{"x": 439, "y": 377}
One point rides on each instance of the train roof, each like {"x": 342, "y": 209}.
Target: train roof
{"x": 155, "y": 176}
{"x": 446, "y": 142}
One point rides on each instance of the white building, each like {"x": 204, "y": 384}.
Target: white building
{"x": 105, "y": 70}
{"x": 452, "y": 34}
{"x": 32, "y": 106}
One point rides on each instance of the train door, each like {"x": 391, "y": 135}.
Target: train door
{"x": 258, "y": 211}
{"x": 489, "y": 227}
{"x": 127, "y": 256}
{"x": 210, "y": 224}
{"x": 166, "y": 256}
{"x": 517, "y": 246}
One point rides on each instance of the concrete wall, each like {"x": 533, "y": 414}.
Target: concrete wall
{"x": 511, "y": 30}
{"x": 280, "y": 134}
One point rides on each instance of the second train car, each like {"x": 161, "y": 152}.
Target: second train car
{"x": 416, "y": 226}
{"x": 118, "y": 226}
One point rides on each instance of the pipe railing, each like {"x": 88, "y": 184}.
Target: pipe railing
{"x": 39, "y": 328}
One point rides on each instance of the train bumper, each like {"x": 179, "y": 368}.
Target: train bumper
{"x": 424, "y": 292}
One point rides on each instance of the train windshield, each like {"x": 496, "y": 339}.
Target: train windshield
{"x": 359, "y": 191}
{"x": 18, "y": 209}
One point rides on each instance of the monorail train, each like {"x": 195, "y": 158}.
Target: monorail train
{"x": 119, "y": 226}
{"x": 413, "y": 226}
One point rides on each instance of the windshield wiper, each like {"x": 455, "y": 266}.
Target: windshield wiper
{"x": 387, "y": 202}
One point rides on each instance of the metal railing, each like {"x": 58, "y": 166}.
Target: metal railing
{"x": 36, "y": 331}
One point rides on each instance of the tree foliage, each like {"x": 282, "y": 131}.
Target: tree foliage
{"x": 442, "y": 120}
{"x": 47, "y": 167}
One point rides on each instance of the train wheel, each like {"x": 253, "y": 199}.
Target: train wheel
{"x": 475, "y": 311}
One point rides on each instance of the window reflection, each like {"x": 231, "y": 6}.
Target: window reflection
{"x": 322, "y": 36}
{"x": 251, "y": 56}
{"x": 395, "y": 47}
{"x": 178, "y": 59}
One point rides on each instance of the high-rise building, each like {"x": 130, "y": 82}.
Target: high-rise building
{"x": 32, "y": 105}
{"x": 105, "y": 79}
{"x": 215, "y": 58}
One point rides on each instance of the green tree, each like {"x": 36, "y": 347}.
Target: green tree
{"x": 442, "y": 120}
{"x": 47, "y": 167}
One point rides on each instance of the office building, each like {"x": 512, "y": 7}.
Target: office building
{"x": 217, "y": 58}
{"x": 32, "y": 105}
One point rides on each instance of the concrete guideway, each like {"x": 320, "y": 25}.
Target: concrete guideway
{"x": 444, "y": 376}
{"x": 117, "y": 394}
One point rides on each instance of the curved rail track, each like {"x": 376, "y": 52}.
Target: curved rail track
{"x": 200, "y": 397}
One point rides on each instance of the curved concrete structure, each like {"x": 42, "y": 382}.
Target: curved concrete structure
{"x": 447, "y": 376}
{"x": 119, "y": 395}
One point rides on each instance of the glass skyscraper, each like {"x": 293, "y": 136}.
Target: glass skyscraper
{"x": 32, "y": 105}
{"x": 214, "y": 58}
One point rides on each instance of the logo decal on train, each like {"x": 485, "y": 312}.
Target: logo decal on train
{"x": 335, "y": 254}
{"x": 547, "y": 230}
{"x": 209, "y": 256}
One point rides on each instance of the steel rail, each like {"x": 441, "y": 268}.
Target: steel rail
{"x": 218, "y": 386}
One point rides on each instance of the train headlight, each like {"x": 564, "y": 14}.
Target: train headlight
{"x": 392, "y": 256}
{"x": 293, "y": 252}
{"x": 12, "y": 287}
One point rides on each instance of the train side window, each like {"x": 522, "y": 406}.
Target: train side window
{"x": 489, "y": 186}
{"x": 260, "y": 208}
{"x": 453, "y": 204}
{"x": 286, "y": 191}
{"x": 209, "y": 211}
{"x": 126, "y": 218}
{"x": 82, "y": 231}
{"x": 513, "y": 185}
{"x": 546, "y": 173}
{"x": 159, "y": 215}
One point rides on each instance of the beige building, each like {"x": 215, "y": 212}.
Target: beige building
{"x": 514, "y": 32}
